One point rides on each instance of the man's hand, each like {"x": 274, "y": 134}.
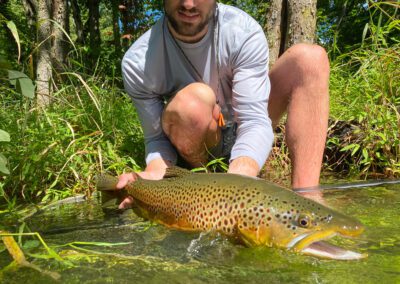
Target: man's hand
{"x": 124, "y": 180}
{"x": 155, "y": 170}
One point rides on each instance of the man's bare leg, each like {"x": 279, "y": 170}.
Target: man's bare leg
{"x": 299, "y": 81}
{"x": 190, "y": 120}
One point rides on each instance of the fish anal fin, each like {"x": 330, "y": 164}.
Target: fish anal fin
{"x": 176, "y": 171}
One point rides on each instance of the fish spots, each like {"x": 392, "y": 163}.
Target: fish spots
{"x": 207, "y": 204}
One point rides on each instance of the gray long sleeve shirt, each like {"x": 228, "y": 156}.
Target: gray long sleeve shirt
{"x": 154, "y": 67}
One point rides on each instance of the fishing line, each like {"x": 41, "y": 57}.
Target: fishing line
{"x": 361, "y": 184}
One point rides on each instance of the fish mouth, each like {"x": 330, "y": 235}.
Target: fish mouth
{"x": 313, "y": 244}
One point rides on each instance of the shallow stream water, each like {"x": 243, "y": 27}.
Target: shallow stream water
{"x": 155, "y": 254}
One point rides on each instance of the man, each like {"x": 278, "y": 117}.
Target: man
{"x": 204, "y": 64}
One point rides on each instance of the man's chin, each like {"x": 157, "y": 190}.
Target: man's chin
{"x": 188, "y": 30}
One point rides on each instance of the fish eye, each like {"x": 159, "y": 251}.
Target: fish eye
{"x": 304, "y": 221}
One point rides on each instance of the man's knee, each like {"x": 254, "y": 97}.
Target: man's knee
{"x": 193, "y": 95}
{"x": 192, "y": 107}
{"x": 310, "y": 59}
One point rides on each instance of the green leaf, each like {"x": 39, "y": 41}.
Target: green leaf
{"x": 364, "y": 34}
{"x": 3, "y": 164}
{"x": 26, "y": 87}
{"x": 4, "y": 136}
{"x": 22, "y": 82}
{"x": 355, "y": 149}
{"x": 13, "y": 75}
{"x": 348, "y": 147}
{"x": 11, "y": 26}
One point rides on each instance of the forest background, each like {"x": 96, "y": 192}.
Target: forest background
{"x": 64, "y": 116}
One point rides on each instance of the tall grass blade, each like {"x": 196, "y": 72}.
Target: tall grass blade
{"x": 364, "y": 34}
{"x": 89, "y": 91}
{"x": 13, "y": 28}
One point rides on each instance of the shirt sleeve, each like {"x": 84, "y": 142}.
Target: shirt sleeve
{"x": 149, "y": 107}
{"x": 250, "y": 93}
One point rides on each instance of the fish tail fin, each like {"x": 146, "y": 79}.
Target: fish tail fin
{"x": 110, "y": 194}
{"x": 106, "y": 182}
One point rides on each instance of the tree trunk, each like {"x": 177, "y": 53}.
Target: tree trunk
{"x": 290, "y": 22}
{"x": 275, "y": 28}
{"x": 76, "y": 14}
{"x": 94, "y": 29}
{"x": 302, "y": 21}
{"x": 116, "y": 33}
{"x": 43, "y": 69}
{"x": 60, "y": 43}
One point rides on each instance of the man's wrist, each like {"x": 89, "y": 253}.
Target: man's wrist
{"x": 155, "y": 170}
{"x": 245, "y": 166}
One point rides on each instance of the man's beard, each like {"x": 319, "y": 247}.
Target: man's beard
{"x": 188, "y": 29}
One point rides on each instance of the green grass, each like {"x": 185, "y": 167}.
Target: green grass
{"x": 365, "y": 92}
{"x": 91, "y": 126}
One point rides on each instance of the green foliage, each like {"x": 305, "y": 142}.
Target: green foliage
{"x": 365, "y": 98}
{"x": 57, "y": 151}
{"x": 344, "y": 24}
{"x": 215, "y": 165}
{"x": 365, "y": 90}
{"x": 256, "y": 9}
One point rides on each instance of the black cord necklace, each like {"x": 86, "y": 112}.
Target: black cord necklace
{"x": 215, "y": 44}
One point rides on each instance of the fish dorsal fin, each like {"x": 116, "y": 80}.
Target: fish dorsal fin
{"x": 176, "y": 171}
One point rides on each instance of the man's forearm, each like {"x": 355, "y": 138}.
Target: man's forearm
{"x": 244, "y": 166}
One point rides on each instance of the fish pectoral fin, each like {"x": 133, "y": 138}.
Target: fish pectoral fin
{"x": 175, "y": 171}
{"x": 254, "y": 236}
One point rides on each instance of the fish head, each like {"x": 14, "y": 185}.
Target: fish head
{"x": 304, "y": 228}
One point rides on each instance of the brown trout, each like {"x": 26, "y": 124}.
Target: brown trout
{"x": 251, "y": 210}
